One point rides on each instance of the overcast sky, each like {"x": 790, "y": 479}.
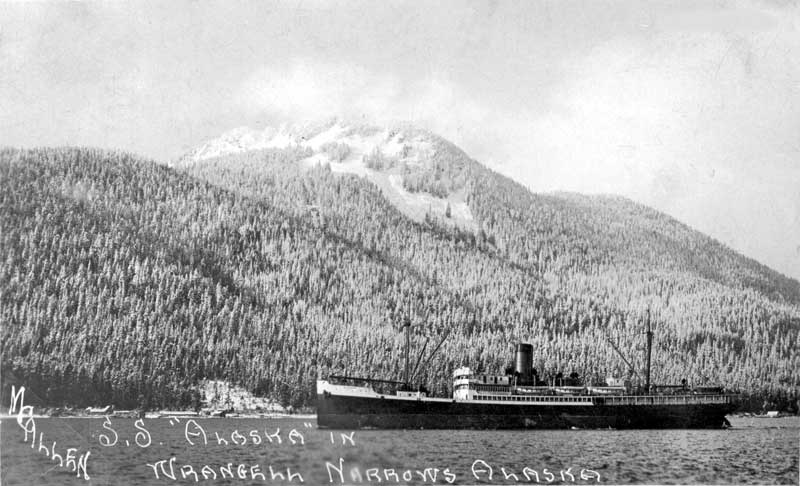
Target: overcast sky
{"x": 690, "y": 107}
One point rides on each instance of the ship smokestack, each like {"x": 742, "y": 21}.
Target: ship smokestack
{"x": 523, "y": 365}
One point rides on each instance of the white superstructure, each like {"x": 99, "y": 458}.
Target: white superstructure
{"x": 467, "y": 386}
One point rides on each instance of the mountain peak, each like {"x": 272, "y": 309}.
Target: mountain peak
{"x": 362, "y": 139}
{"x": 419, "y": 172}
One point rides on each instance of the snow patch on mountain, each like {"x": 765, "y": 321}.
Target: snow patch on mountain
{"x": 242, "y": 139}
{"x": 361, "y": 140}
{"x": 352, "y": 149}
{"x": 353, "y": 164}
{"x": 417, "y": 205}
{"x": 332, "y": 135}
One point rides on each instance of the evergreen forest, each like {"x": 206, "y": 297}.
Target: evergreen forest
{"x": 124, "y": 281}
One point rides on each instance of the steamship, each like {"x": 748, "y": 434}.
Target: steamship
{"x": 519, "y": 400}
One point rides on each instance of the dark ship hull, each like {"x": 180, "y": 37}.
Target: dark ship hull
{"x": 517, "y": 400}
{"x": 633, "y": 412}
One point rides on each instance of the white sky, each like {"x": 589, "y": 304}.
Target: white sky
{"x": 690, "y": 107}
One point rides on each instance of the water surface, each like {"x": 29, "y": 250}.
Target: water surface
{"x": 754, "y": 451}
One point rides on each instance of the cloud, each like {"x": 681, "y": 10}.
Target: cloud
{"x": 702, "y": 19}
{"x": 305, "y": 89}
{"x": 311, "y": 89}
{"x": 694, "y": 116}
{"x": 700, "y": 123}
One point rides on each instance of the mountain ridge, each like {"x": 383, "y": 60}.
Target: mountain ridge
{"x": 417, "y": 181}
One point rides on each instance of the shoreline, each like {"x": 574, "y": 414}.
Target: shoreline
{"x": 171, "y": 414}
{"x": 299, "y": 416}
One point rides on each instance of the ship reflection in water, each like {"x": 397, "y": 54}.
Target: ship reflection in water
{"x": 518, "y": 400}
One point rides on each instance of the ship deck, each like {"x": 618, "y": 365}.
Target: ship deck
{"x": 522, "y": 400}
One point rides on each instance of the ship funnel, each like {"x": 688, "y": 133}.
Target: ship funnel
{"x": 523, "y": 365}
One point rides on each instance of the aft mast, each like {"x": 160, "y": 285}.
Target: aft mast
{"x": 407, "y": 325}
{"x": 649, "y": 352}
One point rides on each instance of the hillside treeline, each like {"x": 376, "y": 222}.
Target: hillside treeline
{"x": 123, "y": 281}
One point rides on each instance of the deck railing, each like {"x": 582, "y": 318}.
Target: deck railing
{"x": 612, "y": 400}
{"x": 665, "y": 399}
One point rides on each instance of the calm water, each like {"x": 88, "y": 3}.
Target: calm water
{"x": 755, "y": 451}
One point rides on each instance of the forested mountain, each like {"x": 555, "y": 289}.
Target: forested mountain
{"x": 125, "y": 281}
